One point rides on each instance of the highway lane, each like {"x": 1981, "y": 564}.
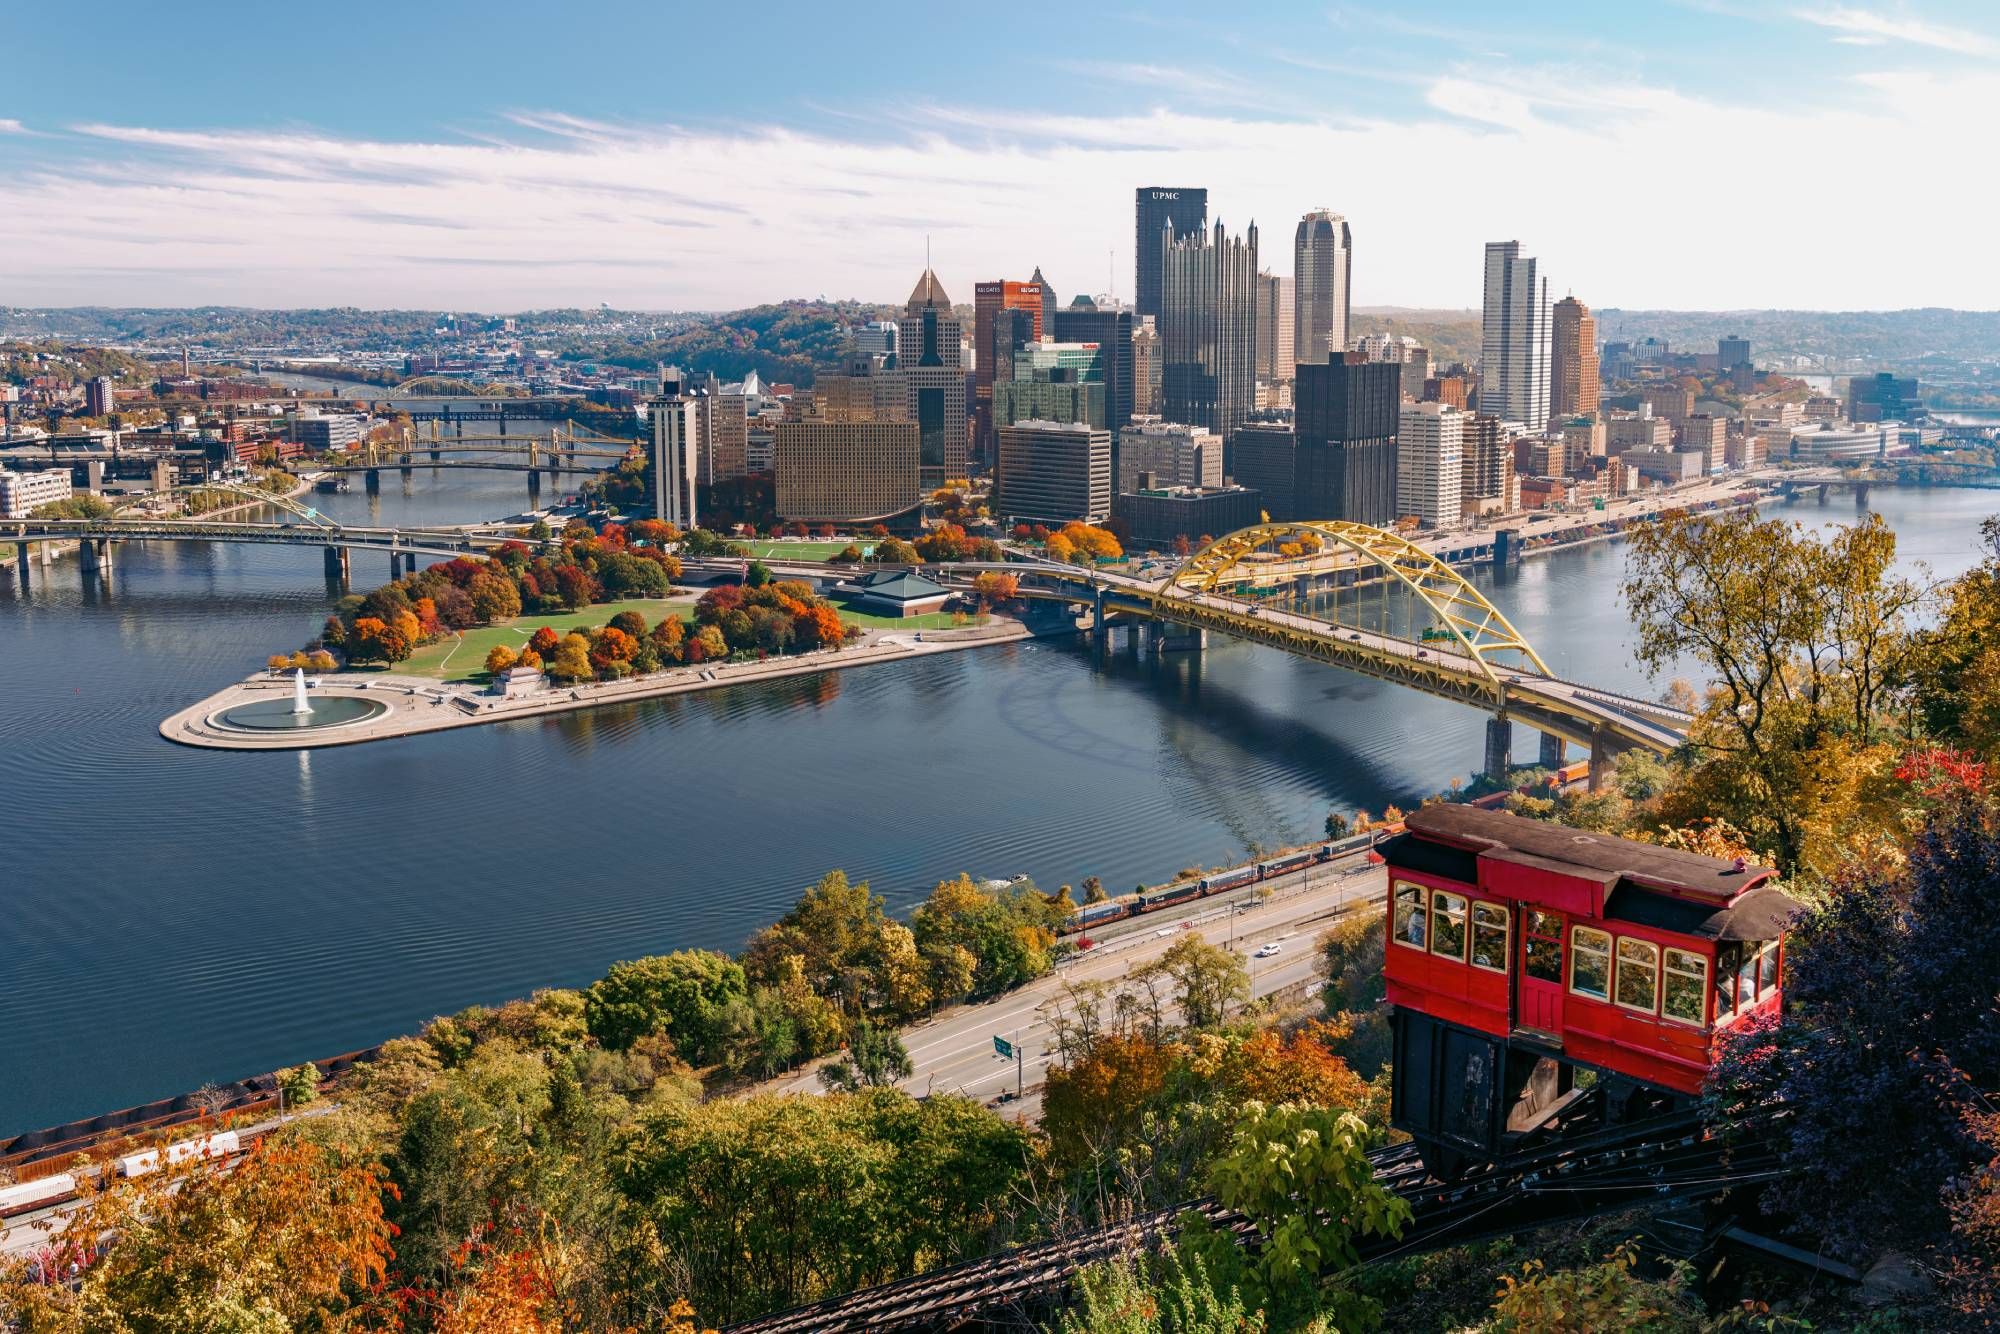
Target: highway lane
{"x": 954, "y": 1052}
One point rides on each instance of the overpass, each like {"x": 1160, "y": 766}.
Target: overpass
{"x": 1313, "y": 589}
{"x": 299, "y": 526}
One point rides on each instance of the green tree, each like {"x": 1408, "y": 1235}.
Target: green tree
{"x": 875, "y": 1058}
{"x": 1303, "y": 1177}
{"x": 684, "y": 995}
{"x": 299, "y": 1084}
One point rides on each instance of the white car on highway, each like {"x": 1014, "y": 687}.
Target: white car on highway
{"x": 1266, "y": 951}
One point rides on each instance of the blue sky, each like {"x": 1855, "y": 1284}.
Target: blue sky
{"x": 1707, "y": 153}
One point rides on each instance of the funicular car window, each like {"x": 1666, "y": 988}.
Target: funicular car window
{"x": 1727, "y": 959}
{"x": 1685, "y": 991}
{"x": 1411, "y": 924}
{"x": 1590, "y": 962}
{"x": 1448, "y": 924}
{"x": 1489, "y": 936}
{"x": 1544, "y": 949}
{"x": 1746, "y": 980}
{"x": 1638, "y": 974}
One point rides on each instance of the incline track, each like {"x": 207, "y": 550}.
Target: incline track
{"x": 1576, "y": 1176}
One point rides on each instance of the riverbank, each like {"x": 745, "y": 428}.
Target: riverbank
{"x": 416, "y": 705}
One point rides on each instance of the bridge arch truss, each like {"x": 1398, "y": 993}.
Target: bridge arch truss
{"x": 1481, "y": 631}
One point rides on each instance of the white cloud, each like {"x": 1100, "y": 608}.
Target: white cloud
{"x": 1863, "y": 27}
{"x": 555, "y": 210}
{"x": 12, "y": 126}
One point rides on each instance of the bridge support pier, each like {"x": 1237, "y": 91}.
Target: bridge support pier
{"x": 534, "y": 489}
{"x": 372, "y": 482}
{"x": 339, "y": 567}
{"x": 21, "y": 561}
{"x": 1861, "y": 495}
{"x": 1552, "y": 751}
{"x": 1600, "y": 759}
{"x": 95, "y": 553}
{"x": 1822, "y": 495}
{"x": 1499, "y": 747}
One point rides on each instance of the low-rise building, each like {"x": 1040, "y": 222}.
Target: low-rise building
{"x": 902, "y": 593}
{"x": 1172, "y": 453}
{"x": 1158, "y": 516}
{"x": 1667, "y": 467}
{"x": 22, "y": 493}
{"x": 327, "y": 433}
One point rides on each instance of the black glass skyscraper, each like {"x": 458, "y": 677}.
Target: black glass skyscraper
{"x": 1187, "y": 209}
{"x": 1346, "y": 414}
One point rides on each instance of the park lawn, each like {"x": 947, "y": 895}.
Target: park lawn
{"x": 934, "y": 620}
{"x": 801, "y": 551}
{"x": 462, "y": 657}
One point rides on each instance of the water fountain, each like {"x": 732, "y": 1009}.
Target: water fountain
{"x": 300, "y": 712}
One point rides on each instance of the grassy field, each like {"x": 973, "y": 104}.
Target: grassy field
{"x": 802, "y": 550}
{"x": 936, "y": 620}
{"x": 463, "y": 657}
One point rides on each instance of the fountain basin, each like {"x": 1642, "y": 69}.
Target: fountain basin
{"x": 282, "y": 715}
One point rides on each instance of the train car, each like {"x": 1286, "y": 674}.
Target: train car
{"x": 1098, "y": 914}
{"x": 28, "y": 1196}
{"x": 219, "y": 1145}
{"x": 1187, "y": 891}
{"x": 1522, "y": 952}
{"x": 1291, "y": 861}
{"x": 1230, "y": 879}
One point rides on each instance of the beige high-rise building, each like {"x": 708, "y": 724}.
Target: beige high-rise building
{"x": 852, "y": 454}
{"x": 1573, "y": 386}
{"x": 1585, "y": 437}
{"x": 725, "y": 438}
{"x": 1487, "y": 477}
{"x": 1430, "y": 458}
{"x": 1276, "y": 360}
{"x": 1708, "y": 434}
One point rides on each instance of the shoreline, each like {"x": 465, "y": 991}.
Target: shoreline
{"x": 419, "y": 705}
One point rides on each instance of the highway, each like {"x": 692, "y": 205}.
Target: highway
{"x": 954, "y": 1052}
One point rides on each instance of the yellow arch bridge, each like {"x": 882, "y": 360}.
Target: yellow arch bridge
{"x": 1372, "y": 602}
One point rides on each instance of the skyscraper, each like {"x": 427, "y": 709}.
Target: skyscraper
{"x": 1111, "y": 329}
{"x": 1048, "y": 299}
{"x": 1573, "y": 382}
{"x": 1186, "y": 208}
{"x": 676, "y": 413}
{"x": 928, "y": 343}
{"x": 1275, "y": 357}
{"x": 1322, "y": 264}
{"x": 996, "y": 332}
{"x": 1514, "y": 338}
{"x": 1208, "y": 329}
{"x": 1345, "y": 421}
{"x": 99, "y": 398}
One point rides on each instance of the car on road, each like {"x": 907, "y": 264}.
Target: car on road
{"x": 1266, "y": 951}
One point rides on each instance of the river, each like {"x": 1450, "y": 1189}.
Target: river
{"x": 172, "y": 916}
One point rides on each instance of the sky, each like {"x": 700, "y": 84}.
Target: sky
{"x": 1678, "y": 154}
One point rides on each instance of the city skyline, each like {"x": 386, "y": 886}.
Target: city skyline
{"x": 444, "y": 183}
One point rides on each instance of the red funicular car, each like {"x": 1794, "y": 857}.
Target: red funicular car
{"x": 1521, "y": 953}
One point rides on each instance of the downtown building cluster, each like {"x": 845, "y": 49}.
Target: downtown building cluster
{"x": 1225, "y": 393}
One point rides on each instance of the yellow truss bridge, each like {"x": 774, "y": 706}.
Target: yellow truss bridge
{"x": 1283, "y": 584}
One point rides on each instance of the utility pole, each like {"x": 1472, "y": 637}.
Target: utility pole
{"x": 1020, "y": 1067}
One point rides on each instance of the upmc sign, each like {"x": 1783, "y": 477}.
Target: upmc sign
{"x": 1166, "y": 194}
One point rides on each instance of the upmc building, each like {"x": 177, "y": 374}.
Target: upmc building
{"x": 1187, "y": 210}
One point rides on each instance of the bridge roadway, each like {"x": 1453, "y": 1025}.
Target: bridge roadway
{"x": 1603, "y": 722}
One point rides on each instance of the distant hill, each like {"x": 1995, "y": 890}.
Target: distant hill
{"x": 1844, "y": 339}
{"x": 783, "y": 343}
{"x": 1451, "y": 335}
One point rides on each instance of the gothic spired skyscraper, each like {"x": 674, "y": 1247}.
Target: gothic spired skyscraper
{"x": 1185, "y": 207}
{"x": 1514, "y": 339}
{"x": 1322, "y": 265}
{"x": 1208, "y": 329}
{"x": 1573, "y": 382}
{"x": 928, "y": 341}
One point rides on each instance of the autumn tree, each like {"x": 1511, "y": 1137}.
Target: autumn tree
{"x": 499, "y": 658}
{"x": 1805, "y": 640}
{"x": 291, "y": 1237}
{"x": 1206, "y": 979}
{"x": 994, "y": 588}
{"x": 571, "y": 661}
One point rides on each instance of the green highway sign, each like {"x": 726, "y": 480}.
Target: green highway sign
{"x": 1004, "y": 1047}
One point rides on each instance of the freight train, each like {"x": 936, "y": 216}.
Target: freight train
{"x": 1093, "y": 915}
{"x": 28, "y": 1196}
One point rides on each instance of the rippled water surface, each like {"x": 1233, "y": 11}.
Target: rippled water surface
{"x": 170, "y": 916}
